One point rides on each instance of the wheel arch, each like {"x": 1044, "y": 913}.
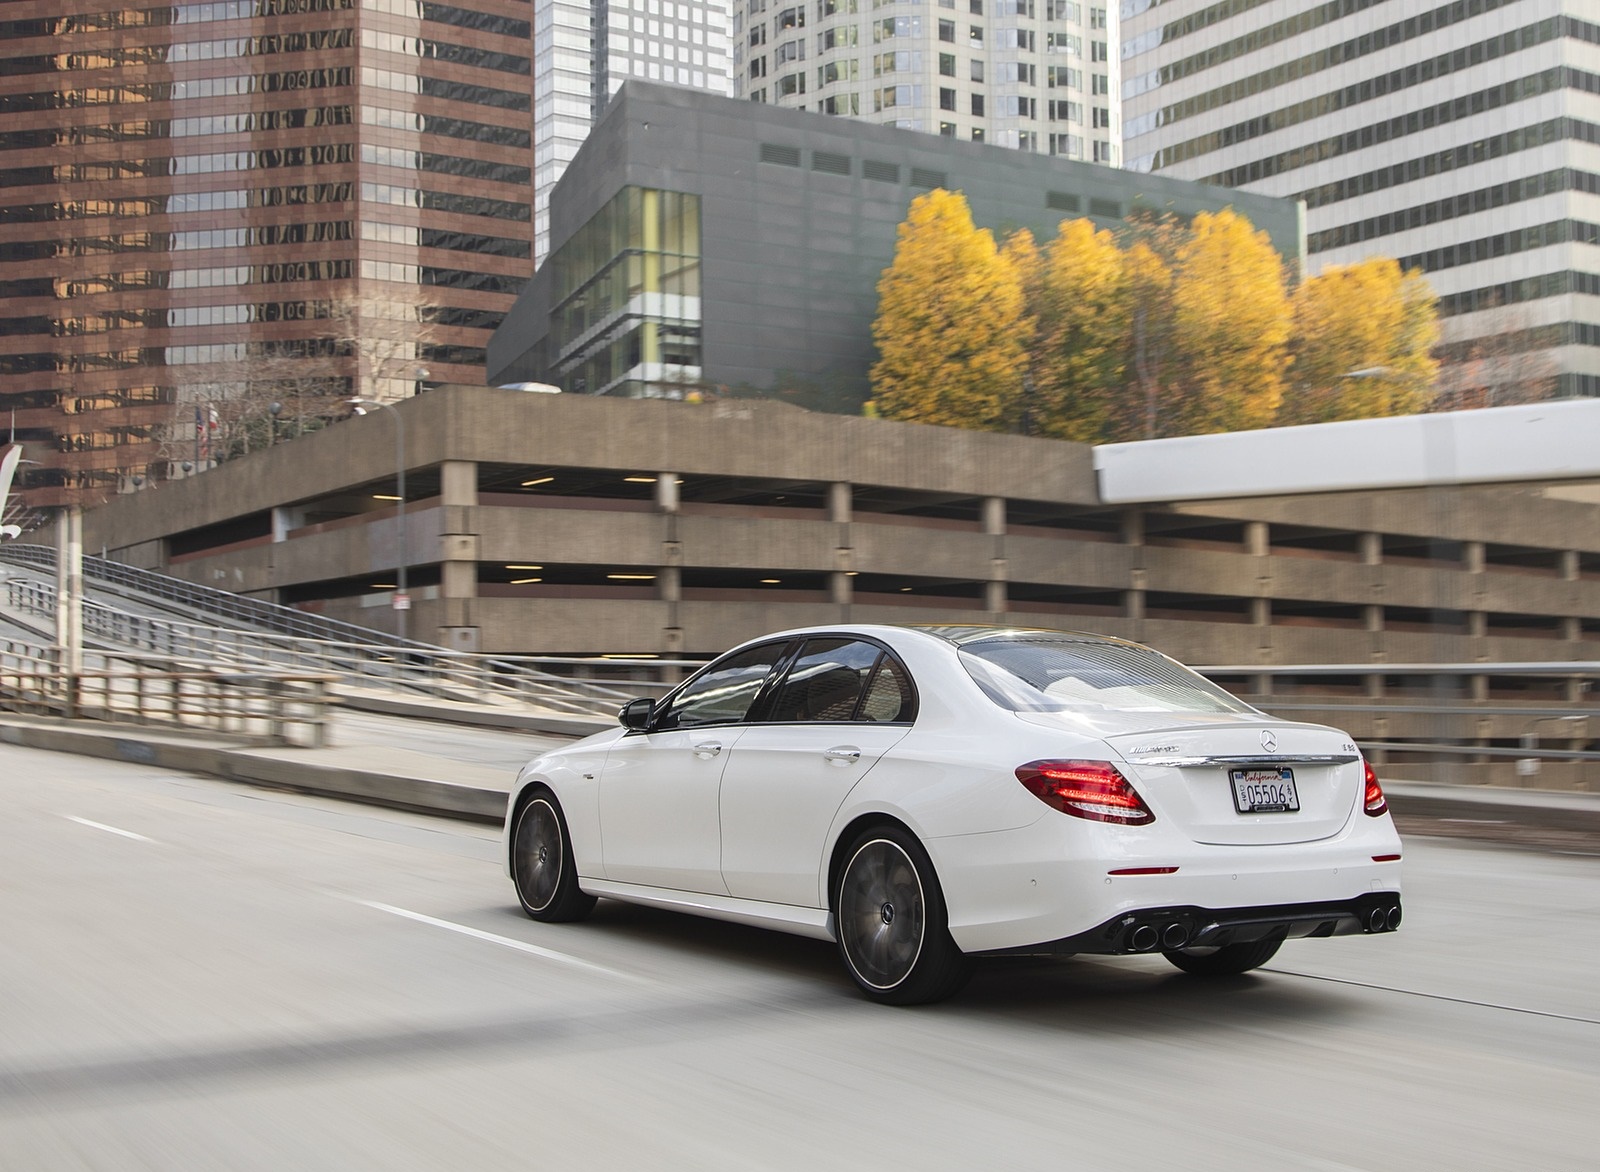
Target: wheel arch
{"x": 846, "y": 837}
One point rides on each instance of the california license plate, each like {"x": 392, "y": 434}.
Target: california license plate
{"x": 1264, "y": 791}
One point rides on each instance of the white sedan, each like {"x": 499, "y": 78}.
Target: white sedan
{"x": 923, "y": 796}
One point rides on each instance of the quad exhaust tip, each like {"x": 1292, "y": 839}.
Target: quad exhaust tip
{"x": 1174, "y": 936}
{"x": 1144, "y": 938}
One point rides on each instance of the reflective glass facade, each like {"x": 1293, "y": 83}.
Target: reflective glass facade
{"x": 193, "y": 198}
{"x": 627, "y": 298}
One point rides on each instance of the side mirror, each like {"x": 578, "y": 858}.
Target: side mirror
{"x": 636, "y": 714}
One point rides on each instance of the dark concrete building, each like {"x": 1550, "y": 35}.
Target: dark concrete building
{"x": 699, "y": 240}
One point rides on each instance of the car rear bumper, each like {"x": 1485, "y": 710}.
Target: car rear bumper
{"x": 1155, "y": 929}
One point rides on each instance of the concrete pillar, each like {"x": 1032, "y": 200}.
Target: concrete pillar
{"x": 1569, "y": 565}
{"x": 840, "y": 588}
{"x": 1477, "y": 624}
{"x": 458, "y": 555}
{"x": 1132, "y": 527}
{"x": 994, "y": 590}
{"x": 994, "y": 516}
{"x": 667, "y": 492}
{"x": 1373, "y": 618}
{"x": 1571, "y": 629}
{"x": 458, "y": 483}
{"x": 1261, "y": 612}
{"x": 1472, "y": 556}
{"x": 839, "y": 502}
{"x": 1371, "y": 547}
{"x": 1256, "y": 539}
{"x": 669, "y": 584}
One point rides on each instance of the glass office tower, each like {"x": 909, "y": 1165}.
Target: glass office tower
{"x": 202, "y": 198}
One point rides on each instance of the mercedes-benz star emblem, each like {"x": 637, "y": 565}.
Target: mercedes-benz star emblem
{"x": 1269, "y": 740}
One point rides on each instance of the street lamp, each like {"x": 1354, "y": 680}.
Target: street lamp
{"x": 402, "y": 600}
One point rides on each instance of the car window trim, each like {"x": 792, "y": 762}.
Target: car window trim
{"x": 774, "y": 684}
{"x": 780, "y": 662}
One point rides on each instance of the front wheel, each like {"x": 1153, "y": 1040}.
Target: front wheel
{"x": 891, "y": 921}
{"x": 1228, "y": 961}
{"x": 542, "y": 865}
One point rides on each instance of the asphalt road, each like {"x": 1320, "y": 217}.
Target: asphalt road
{"x": 200, "y": 976}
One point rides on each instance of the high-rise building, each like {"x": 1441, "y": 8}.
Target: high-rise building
{"x": 1461, "y": 137}
{"x": 202, "y": 200}
{"x": 585, "y": 49}
{"x": 1037, "y": 75}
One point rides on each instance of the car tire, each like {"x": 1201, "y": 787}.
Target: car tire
{"x": 891, "y": 923}
{"x": 1228, "y": 961}
{"x": 542, "y": 865}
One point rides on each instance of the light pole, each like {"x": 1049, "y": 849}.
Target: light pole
{"x": 402, "y": 600}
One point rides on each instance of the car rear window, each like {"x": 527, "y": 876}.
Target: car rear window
{"x": 1050, "y": 673}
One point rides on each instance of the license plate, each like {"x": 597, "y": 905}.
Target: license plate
{"x": 1264, "y": 791}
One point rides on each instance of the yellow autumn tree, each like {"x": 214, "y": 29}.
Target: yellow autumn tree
{"x": 1230, "y": 328}
{"x": 1084, "y": 312}
{"x": 951, "y": 324}
{"x": 1362, "y": 340}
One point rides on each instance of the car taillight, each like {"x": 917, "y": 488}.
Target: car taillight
{"x": 1095, "y": 790}
{"x": 1374, "y": 802}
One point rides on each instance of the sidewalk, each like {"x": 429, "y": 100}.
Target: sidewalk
{"x": 467, "y": 773}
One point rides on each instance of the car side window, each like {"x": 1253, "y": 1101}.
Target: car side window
{"x": 890, "y": 697}
{"x": 724, "y": 693}
{"x": 828, "y": 680}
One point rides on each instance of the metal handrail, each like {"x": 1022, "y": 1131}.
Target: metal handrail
{"x": 270, "y": 707}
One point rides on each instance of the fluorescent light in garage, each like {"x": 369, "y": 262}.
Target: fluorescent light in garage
{"x": 632, "y": 577}
{"x": 524, "y": 581}
{"x": 541, "y": 480}
{"x": 638, "y": 480}
{"x": 509, "y": 567}
{"x": 770, "y": 581}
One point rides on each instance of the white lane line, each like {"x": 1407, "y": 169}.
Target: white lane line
{"x": 508, "y": 942}
{"x": 107, "y": 829}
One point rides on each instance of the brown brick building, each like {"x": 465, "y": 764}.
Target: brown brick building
{"x": 201, "y": 206}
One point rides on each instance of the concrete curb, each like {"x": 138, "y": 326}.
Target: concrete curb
{"x": 283, "y": 769}
{"x": 576, "y": 726}
{"x": 1546, "y": 809}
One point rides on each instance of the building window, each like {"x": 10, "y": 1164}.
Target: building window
{"x": 789, "y": 18}
{"x": 1104, "y": 152}
{"x": 977, "y": 70}
{"x": 1102, "y": 118}
{"x": 977, "y": 134}
{"x": 975, "y": 36}
{"x": 947, "y": 64}
{"x": 1097, "y": 18}
{"x": 787, "y": 87}
{"x": 977, "y": 7}
{"x": 1028, "y": 140}
{"x": 977, "y": 105}
{"x": 1102, "y": 84}
{"x": 1097, "y": 51}
{"x": 947, "y": 129}
{"x": 947, "y": 99}
{"x": 947, "y": 31}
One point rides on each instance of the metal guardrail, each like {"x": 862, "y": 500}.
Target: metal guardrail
{"x": 274, "y": 708}
{"x": 206, "y": 599}
{"x": 416, "y": 669}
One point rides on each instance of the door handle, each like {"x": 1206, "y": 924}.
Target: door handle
{"x": 841, "y": 756}
{"x": 706, "y": 750}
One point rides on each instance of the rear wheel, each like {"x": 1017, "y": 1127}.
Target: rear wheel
{"x": 541, "y": 863}
{"x": 891, "y": 921}
{"x": 1227, "y": 961}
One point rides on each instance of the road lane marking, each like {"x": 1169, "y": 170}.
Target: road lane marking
{"x": 1437, "y": 996}
{"x": 107, "y": 829}
{"x": 507, "y": 941}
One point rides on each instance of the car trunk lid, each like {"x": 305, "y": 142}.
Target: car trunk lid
{"x": 1244, "y": 782}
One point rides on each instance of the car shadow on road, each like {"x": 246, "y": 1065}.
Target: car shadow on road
{"x": 1082, "y": 994}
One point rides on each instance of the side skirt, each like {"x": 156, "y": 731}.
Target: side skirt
{"x": 814, "y": 922}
